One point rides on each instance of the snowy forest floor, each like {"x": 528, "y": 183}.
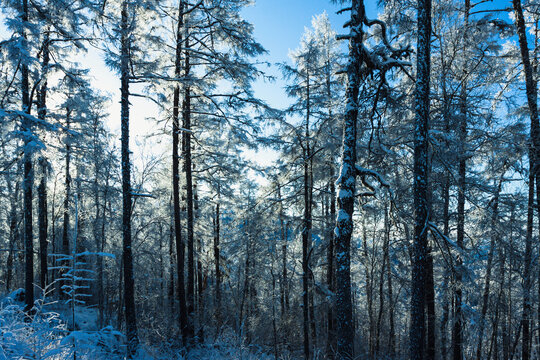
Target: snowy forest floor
{"x": 48, "y": 335}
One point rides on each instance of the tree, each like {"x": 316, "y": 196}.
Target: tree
{"x": 129, "y": 283}
{"x": 361, "y": 62}
{"x": 534, "y": 151}
{"x": 421, "y": 206}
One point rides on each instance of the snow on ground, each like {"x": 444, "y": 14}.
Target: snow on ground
{"x": 46, "y": 335}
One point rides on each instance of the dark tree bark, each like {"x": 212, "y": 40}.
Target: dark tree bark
{"x": 534, "y": 149}
{"x": 67, "y": 196}
{"x": 129, "y": 281}
{"x": 493, "y": 242}
{"x": 183, "y": 316}
{"x": 392, "y": 335}
{"x": 346, "y": 189}
{"x": 284, "y": 294}
{"x": 330, "y": 272}
{"x": 172, "y": 262}
{"x": 218, "y": 268}
{"x": 421, "y": 206}
{"x": 42, "y": 189}
{"x": 430, "y": 307}
{"x": 43, "y": 224}
{"x": 380, "y": 315}
{"x": 101, "y": 246}
{"x": 457, "y": 332}
{"x": 306, "y": 229}
{"x": 28, "y": 179}
{"x": 446, "y": 220}
{"x": 186, "y": 155}
{"x": 13, "y": 233}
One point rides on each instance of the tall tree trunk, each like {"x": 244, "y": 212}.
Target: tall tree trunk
{"x": 346, "y": 184}
{"x": 28, "y": 180}
{"x": 102, "y": 242}
{"x": 457, "y": 333}
{"x": 446, "y": 220}
{"x": 330, "y": 272}
{"x": 67, "y": 196}
{"x": 129, "y": 281}
{"x": 183, "y": 315}
{"x": 186, "y": 155}
{"x": 392, "y": 335}
{"x": 534, "y": 149}
{"x": 200, "y": 290}
{"x": 43, "y": 224}
{"x": 430, "y": 307}
{"x": 218, "y": 269}
{"x": 13, "y": 233}
{"x": 172, "y": 262}
{"x": 493, "y": 242}
{"x": 244, "y": 308}
{"x": 306, "y": 231}
{"x": 42, "y": 189}
{"x": 283, "y": 284}
{"x": 381, "y": 281}
{"x": 369, "y": 291}
{"x": 421, "y": 206}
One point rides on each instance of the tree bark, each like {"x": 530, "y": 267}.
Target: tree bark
{"x": 129, "y": 281}
{"x": 42, "y": 189}
{"x": 421, "y": 206}
{"x": 28, "y": 180}
{"x": 457, "y": 333}
{"x": 493, "y": 242}
{"x": 42, "y": 224}
{"x": 283, "y": 283}
{"x": 330, "y": 272}
{"x": 183, "y": 311}
{"x": 186, "y": 154}
{"x": 218, "y": 269}
{"x": 306, "y": 231}
{"x": 534, "y": 149}
{"x": 67, "y": 196}
{"x": 346, "y": 185}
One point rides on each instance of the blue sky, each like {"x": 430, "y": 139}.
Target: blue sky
{"x": 279, "y": 26}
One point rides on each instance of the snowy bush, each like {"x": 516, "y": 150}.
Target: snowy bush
{"x": 35, "y": 336}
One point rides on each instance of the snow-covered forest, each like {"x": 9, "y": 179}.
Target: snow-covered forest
{"x": 390, "y": 210}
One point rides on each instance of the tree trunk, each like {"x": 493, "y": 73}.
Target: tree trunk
{"x": 28, "y": 181}
{"x": 283, "y": 284}
{"x": 430, "y": 307}
{"x": 381, "y": 281}
{"x": 102, "y": 242}
{"x": 172, "y": 262}
{"x": 369, "y": 291}
{"x": 392, "y": 335}
{"x": 218, "y": 269}
{"x": 12, "y": 223}
{"x": 306, "y": 232}
{"x": 42, "y": 224}
{"x": 180, "y": 256}
{"x": 186, "y": 154}
{"x": 346, "y": 184}
{"x": 493, "y": 243}
{"x": 446, "y": 223}
{"x": 421, "y": 206}
{"x": 457, "y": 333}
{"x": 42, "y": 189}
{"x": 330, "y": 272}
{"x": 67, "y": 195}
{"x": 534, "y": 149}
{"x": 129, "y": 281}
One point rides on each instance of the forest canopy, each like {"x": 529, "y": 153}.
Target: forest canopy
{"x": 174, "y": 188}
